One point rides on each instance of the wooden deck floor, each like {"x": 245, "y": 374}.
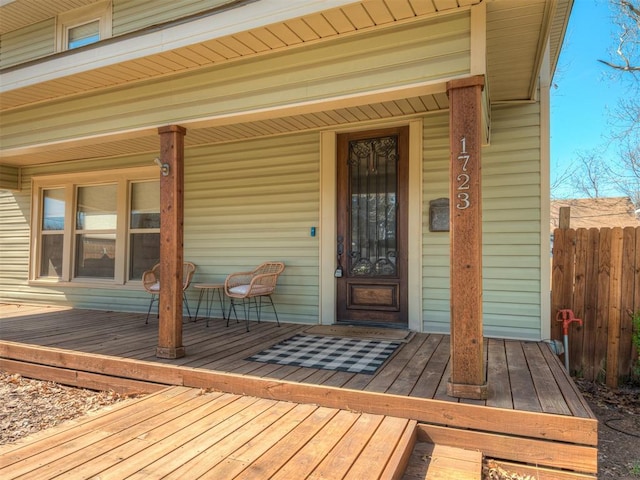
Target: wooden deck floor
{"x": 531, "y": 398}
{"x": 183, "y": 433}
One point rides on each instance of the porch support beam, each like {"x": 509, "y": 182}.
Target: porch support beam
{"x": 171, "y": 241}
{"x": 468, "y": 378}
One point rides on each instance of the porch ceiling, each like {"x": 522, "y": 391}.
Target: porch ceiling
{"x": 515, "y": 30}
{"x": 143, "y": 142}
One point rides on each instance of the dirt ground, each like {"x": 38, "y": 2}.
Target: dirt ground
{"x": 618, "y": 414}
{"x": 28, "y": 406}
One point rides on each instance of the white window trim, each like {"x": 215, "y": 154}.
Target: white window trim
{"x": 99, "y": 11}
{"x": 123, "y": 177}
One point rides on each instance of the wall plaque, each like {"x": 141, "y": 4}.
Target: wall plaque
{"x": 439, "y": 215}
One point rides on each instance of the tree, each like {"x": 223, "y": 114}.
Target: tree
{"x": 590, "y": 174}
{"x": 625, "y": 122}
{"x": 595, "y": 173}
{"x": 627, "y": 52}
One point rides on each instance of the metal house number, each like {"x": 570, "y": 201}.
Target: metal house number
{"x": 463, "y": 178}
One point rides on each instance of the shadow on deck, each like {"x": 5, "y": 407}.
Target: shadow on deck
{"x": 534, "y": 415}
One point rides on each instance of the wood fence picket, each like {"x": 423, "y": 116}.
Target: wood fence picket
{"x": 596, "y": 273}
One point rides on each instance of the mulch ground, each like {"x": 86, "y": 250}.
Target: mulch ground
{"x": 28, "y": 406}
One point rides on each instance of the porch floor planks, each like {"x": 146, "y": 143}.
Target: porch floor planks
{"x": 451, "y": 462}
{"x": 575, "y": 401}
{"x": 61, "y": 442}
{"x": 193, "y": 458}
{"x": 186, "y": 433}
{"x": 518, "y": 376}
{"x": 405, "y": 383}
{"x": 498, "y": 376}
{"x": 551, "y": 401}
{"x": 522, "y": 388}
{"x": 281, "y": 452}
{"x": 427, "y": 383}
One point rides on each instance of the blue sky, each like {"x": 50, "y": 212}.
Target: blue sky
{"x": 584, "y": 90}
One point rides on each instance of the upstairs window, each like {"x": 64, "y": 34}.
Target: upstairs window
{"x": 84, "y": 26}
{"x": 83, "y": 34}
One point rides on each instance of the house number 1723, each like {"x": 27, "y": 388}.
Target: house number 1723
{"x": 463, "y": 178}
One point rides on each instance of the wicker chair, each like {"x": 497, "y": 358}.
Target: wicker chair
{"x": 251, "y": 288}
{"x": 151, "y": 283}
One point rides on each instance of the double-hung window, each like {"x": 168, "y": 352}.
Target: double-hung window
{"x": 95, "y": 229}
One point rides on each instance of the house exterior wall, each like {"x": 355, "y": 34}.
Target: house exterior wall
{"x": 413, "y": 53}
{"x": 132, "y": 15}
{"x": 255, "y": 200}
{"x": 246, "y": 202}
{"x": 35, "y": 41}
{"x": 39, "y": 40}
{"x": 511, "y": 196}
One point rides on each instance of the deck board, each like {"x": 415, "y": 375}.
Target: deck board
{"x": 536, "y": 398}
{"x": 185, "y": 433}
{"x": 418, "y": 368}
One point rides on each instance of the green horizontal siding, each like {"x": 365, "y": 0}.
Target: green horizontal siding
{"x": 38, "y": 40}
{"x": 435, "y": 245}
{"x": 254, "y": 201}
{"x": 245, "y": 203}
{"x": 511, "y": 225}
{"x": 388, "y": 58}
{"x": 28, "y": 43}
{"x": 132, "y": 15}
{"x": 9, "y": 177}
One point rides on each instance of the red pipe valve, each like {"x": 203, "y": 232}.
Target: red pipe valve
{"x": 566, "y": 316}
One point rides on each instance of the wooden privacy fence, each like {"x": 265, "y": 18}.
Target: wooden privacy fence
{"x": 596, "y": 273}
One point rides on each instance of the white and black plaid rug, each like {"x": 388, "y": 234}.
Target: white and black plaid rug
{"x": 329, "y": 353}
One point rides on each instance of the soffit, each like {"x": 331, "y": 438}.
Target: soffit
{"x": 147, "y": 142}
{"x": 514, "y": 32}
{"x": 294, "y": 33}
{"x": 515, "y": 36}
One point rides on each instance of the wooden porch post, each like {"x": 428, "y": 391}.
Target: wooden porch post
{"x": 171, "y": 241}
{"x": 468, "y": 379}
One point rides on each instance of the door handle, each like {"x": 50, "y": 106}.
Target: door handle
{"x": 339, "y": 251}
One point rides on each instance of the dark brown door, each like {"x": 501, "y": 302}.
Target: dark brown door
{"x": 372, "y": 226}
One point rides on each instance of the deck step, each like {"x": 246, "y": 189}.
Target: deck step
{"x": 440, "y": 462}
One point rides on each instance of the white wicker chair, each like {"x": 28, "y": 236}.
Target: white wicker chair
{"x": 251, "y": 288}
{"x": 151, "y": 283}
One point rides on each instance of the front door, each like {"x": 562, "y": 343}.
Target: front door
{"x": 371, "y": 244}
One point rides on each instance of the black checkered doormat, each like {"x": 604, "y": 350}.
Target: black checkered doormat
{"x": 329, "y": 353}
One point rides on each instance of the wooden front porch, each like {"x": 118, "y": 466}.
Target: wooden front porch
{"x": 533, "y": 415}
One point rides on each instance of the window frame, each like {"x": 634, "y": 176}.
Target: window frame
{"x": 101, "y": 12}
{"x": 124, "y": 178}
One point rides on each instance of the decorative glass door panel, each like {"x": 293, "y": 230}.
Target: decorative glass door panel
{"x": 371, "y": 243}
{"x": 373, "y": 184}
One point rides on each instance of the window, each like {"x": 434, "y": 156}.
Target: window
{"x": 95, "y": 231}
{"x": 96, "y": 228}
{"x": 83, "y": 26}
{"x": 53, "y": 208}
{"x": 144, "y": 227}
{"x": 83, "y": 34}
